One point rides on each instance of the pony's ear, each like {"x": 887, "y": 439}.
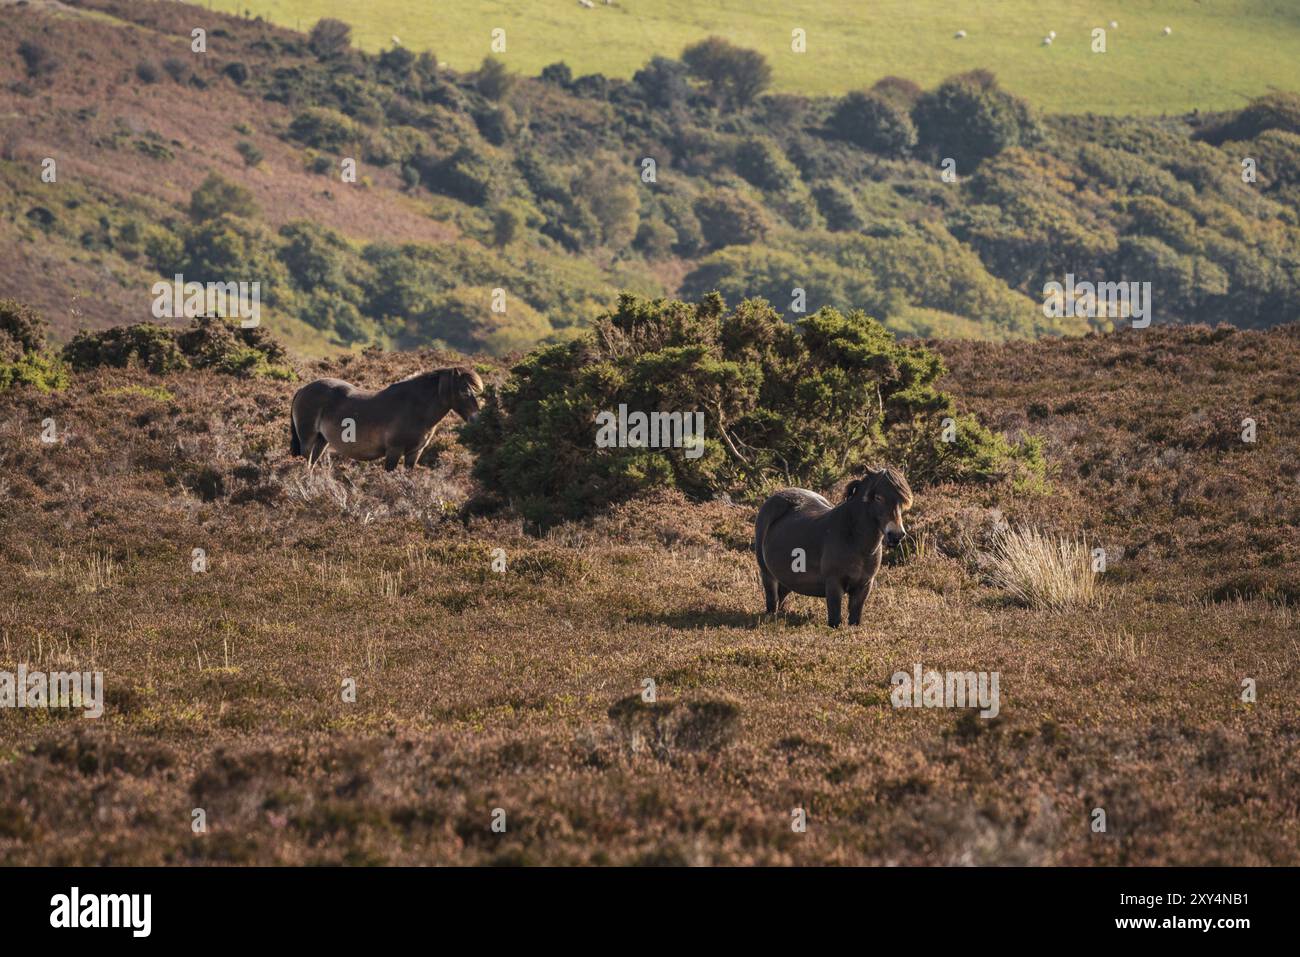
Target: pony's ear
{"x": 852, "y": 489}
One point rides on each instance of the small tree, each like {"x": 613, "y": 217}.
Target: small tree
{"x": 734, "y": 75}
{"x": 216, "y": 196}
{"x": 839, "y": 207}
{"x": 329, "y": 38}
{"x": 662, "y": 82}
{"x": 505, "y": 227}
{"x": 729, "y": 218}
{"x": 558, "y": 74}
{"x": 969, "y": 118}
{"x": 493, "y": 80}
{"x": 607, "y": 191}
{"x": 875, "y": 123}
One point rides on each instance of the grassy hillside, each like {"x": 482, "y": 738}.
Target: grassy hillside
{"x": 491, "y": 211}
{"x": 1219, "y": 54}
{"x": 517, "y": 690}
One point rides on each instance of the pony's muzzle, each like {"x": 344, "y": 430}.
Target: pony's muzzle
{"x": 894, "y": 538}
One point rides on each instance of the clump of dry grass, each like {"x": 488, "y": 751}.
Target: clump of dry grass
{"x": 96, "y": 574}
{"x": 1042, "y": 571}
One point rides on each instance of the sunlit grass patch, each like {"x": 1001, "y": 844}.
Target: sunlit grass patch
{"x": 1042, "y": 571}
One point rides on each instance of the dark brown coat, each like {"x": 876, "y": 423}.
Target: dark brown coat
{"x": 806, "y": 545}
{"x": 394, "y": 423}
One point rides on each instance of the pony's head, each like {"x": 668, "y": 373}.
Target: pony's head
{"x": 460, "y": 387}
{"x": 886, "y": 496}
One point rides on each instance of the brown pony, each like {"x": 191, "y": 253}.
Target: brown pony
{"x": 394, "y": 423}
{"x": 804, "y": 544}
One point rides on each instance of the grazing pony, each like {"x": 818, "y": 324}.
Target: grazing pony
{"x": 394, "y": 423}
{"x": 806, "y": 545}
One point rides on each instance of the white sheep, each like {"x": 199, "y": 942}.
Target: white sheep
{"x": 1168, "y": 30}
{"x": 960, "y": 35}
{"x": 1051, "y": 34}
{"x": 1114, "y": 24}
{"x": 1047, "y": 41}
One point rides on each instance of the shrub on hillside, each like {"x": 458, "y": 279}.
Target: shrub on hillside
{"x": 217, "y": 197}
{"x": 663, "y": 83}
{"x": 1272, "y": 111}
{"x": 734, "y": 75}
{"x": 493, "y": 80}
{"x": 969, "y": 118}
{"x": 783, "y": 404}
{"x": 838, "y": 207}
{"x": 655, "y": 239}
{"x": 875, "y": 123}
{"x": 323, "y": 128}
{"x": 729, "y": 218}
{"x": 208, "y": 343}
{"x": 226, "y": 250}
{"x": 250, "y": 154}
{"x": 176, "y": 68}
{"x": 496, "y": 124}
{"x": 22, "y": 329}
{"x": 1279, "y": 158}
{"x": 315, "y": 255}
{"x": 505, "y": 226}
{"x": 329, "y": 38}
{"x": 23, "y": 360}
{"x": 36, "y": 370}
{"x": 899, "y": 90}
{"x": 761, "y": 163}
{"x": 557, "y": 74}
{"x": 613, "y": 200}
{"x": 38, "y": 60}
{"x": 466, "y": 175}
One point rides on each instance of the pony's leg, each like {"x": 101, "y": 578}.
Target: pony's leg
{"x": 856, "y": 599}
{"x": 413, "y": 454}
{"x": 391, "y": 457}
{"x": 781, "y": 594}
{"x": 771, "y": 591}
{"x": 834, "y": 603}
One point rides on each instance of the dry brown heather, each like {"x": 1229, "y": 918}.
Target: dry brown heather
{"x": 479, "y": 690}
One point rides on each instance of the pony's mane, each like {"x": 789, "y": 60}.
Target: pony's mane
{"x": 475, "y": 380}
{"x": 889, "y": 477}
{"x": 896, "y": 481}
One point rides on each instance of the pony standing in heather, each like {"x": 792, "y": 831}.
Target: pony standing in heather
{"x": 394, "y": 423}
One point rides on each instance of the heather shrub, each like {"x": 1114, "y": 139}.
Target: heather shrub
{"x": 209, "y": 343}
{"x": 23, "y": 359}
{"x": 22, "y": 329}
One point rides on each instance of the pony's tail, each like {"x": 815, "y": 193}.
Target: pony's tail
{"x": 295, "y": 444}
